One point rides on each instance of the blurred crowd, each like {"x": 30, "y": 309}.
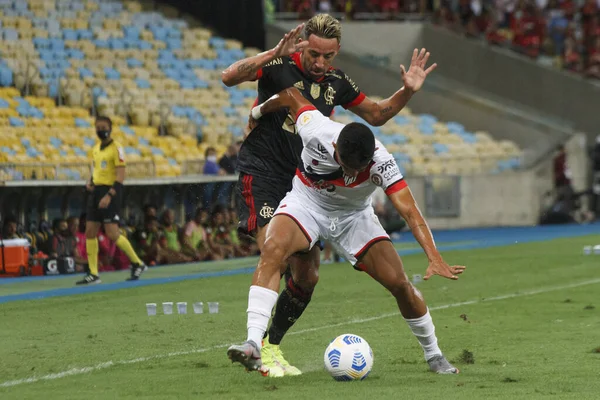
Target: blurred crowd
{"x": 559, "y": 33}
{"x": 208, "y": 235}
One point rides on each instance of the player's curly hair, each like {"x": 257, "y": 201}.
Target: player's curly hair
{"x": 323, "y": 26}
{"x": 356, "y": 145}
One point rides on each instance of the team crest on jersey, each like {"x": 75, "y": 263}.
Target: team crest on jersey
{"x": 103, "y": 164}
{"x": 315, "y": 91}
{"x": 266, "y": 211}
{"x": 377, "y": 180}
{"x": 299, "y": 85}
{"x": 329, "y": 96}
{"x": 305, "y": 119}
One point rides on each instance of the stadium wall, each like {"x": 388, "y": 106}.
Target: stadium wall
{"x": 507, "y": 75}
{"x": 235, "y": 19}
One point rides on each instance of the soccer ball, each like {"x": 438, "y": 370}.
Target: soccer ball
{"x": 348, "y": 357}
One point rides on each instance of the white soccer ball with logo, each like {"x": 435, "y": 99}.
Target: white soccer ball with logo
{"x": 348, "y": 357}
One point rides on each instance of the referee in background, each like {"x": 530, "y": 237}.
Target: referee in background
{"x": 104, "y": 202}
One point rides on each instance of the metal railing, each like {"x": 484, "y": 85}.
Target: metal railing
{"x": 69, "y": 171}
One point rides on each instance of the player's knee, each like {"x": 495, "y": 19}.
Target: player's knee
{"x": 306, "y": 278}
{"x": 273, "y": 251}
{"x": 401, "y": 287}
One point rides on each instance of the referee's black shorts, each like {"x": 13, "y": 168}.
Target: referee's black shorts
{"x": 108, "y": 215}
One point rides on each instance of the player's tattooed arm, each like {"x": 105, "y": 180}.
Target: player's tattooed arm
{"x": 378, "y": 113}
{"x": 247, "y": 69}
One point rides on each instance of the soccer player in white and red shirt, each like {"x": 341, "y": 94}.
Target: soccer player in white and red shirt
{"x": 341, "y": 167}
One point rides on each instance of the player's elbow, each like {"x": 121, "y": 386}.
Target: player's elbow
{"x": 376, "y": 120}
{"x": 227, "y": 79}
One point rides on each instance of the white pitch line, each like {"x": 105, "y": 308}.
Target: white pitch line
{"x": 108, "y": 364}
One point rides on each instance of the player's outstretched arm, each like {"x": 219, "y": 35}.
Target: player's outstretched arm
{"x": 247, "y": 69}
{"x": 378, "y": 113}
{"x": 405, "y": 204}
{"x": 290, "y": 98}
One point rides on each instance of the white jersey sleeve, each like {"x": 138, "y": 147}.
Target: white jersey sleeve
{"x": 310, "y": 123}
{"x": 385, "y": 172}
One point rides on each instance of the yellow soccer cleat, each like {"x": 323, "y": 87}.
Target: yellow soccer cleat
{"x": 272, "y": 358}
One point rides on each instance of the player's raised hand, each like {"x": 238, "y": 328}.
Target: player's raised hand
{"x": 290, "y": 43}
{"x": 415, "y": 76}
{"x": 441, "y": 268}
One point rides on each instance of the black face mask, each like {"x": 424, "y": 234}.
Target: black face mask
{"x": 102, "y": 134}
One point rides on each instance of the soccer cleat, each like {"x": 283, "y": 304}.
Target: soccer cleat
{"x": 136, "y": 271}
{"x": 273, "y": 359}
{"x": 440, "y": 365}
{"x": 248, "y": 355}
{"x": 89, "y": 279}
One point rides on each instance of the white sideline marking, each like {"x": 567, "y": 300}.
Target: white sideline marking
{"x": 108, "y": 364}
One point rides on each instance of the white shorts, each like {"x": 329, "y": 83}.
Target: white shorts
{"x": 351, "y": 233}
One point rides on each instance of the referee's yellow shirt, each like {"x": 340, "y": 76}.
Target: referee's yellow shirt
{"x": 105, "y": 161}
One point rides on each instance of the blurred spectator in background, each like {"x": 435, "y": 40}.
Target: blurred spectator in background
{"x": 211, "y": 167}
{"x": 562, "y": 175}
{"x": 218, "y": 235}
{"x": 170, "y": 243}
{"x": 210, "y": 163}
{"x": 195, "y": 243}
{"x": 228, "y": 162}
{"x": 9, "y": 230}
{"x": 64, "y": 244}
{"x": 147, "y": 241}
{"x": 81, "y": 263}
{"x": 231, "y": 222}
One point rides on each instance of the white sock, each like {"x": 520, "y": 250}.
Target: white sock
{"x": 424, "y": 330}
{"x": 260, "y": 304}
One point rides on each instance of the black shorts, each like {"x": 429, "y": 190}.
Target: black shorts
{"x": 257, "y": 199}
{"x": 108, "y": 215}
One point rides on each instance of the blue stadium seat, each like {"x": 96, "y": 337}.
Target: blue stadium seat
{"x": 142, "y": 84}
{"x": 131, "y": 32}
{"x": 455, "y": 127}
{"x": 10, "y": 34}
{"x": 127, "y": 130}
{"x": 440, "y": 148}
{"x": 14, "y": 121}
{"x": 85, "y": 34}
{"x": 84, "y": 72}
{"x": 82, "y": 123}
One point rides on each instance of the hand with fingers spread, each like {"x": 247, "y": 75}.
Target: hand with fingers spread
{"x": 441, "y": 268}
{"x": 290, "y": 44}
{"x": 415, "y": 76}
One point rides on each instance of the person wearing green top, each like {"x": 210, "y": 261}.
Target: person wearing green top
{"x": 171, "y": 243}
{"x": 195, "y": 240}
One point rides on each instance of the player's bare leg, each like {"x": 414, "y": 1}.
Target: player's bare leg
{"x": 283, "y": 238}
{"x": 302, "y": 275}
{"x": 383, "y": 263}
